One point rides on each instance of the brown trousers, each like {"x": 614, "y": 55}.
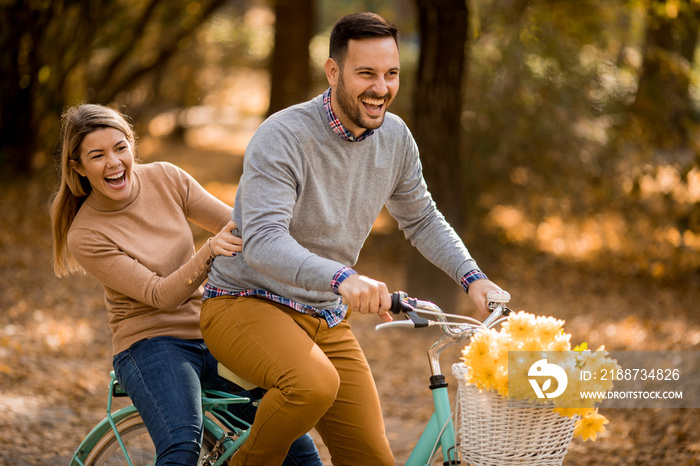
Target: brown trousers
{"x": 316, "y": 377}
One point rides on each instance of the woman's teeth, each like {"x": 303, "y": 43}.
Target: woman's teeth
{"x": 116, "y": 179}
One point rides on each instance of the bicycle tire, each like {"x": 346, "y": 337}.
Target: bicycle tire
{"x": 138, "y": 443}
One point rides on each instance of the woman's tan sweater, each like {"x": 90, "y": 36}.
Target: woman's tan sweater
{"x": 142, "y": 251}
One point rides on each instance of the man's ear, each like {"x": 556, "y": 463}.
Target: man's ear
{"x": 332, "y": 71}
{"x": 76, "y": 166}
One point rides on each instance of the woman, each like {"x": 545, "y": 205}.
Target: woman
{"x": 127, "y": 224}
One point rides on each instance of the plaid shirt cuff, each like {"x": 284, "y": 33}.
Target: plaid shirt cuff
{"x": 338, "y": 278}
{"x": 471, "y": 277}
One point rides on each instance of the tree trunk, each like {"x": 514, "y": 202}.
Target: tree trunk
{"x": 290, "y": 72}
{"x": 662, "y": 109}
{"x": 18, "y": 64}
{"x": 437, "y": 107}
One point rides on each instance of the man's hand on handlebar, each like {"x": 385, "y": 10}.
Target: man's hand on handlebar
{"x": 478, "y": 291}
{"x": 366, "y": 296}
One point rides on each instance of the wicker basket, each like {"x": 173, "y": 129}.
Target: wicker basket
{"x": 494, "y": 431}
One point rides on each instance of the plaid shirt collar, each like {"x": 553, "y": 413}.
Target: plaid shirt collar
{"x": 337, "y": 126}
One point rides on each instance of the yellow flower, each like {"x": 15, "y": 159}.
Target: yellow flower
{"x": 525, "y": 339}
{"x": 485, "y": 379}
{"x": 561, "y": 342}
{"x": 588, "y": 427}
{"x": 531, "y": 344}
{"x": 520, "y": 326}
{"x": 593, "y": 359}
{"x": 481, "y": 346}
{"x": 479, "y": 366}
{"x": 501, "y": 380}
{"x": 547, "y": 328}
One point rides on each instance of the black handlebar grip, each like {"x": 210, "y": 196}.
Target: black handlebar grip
{"x": 397, "y": 304}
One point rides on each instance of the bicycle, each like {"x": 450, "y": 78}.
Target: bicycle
{"x": 438, "y": 437}
{"x": 121, "y": 438}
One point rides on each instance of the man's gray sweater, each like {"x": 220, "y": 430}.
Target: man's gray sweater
{"x": 307, "y": 201}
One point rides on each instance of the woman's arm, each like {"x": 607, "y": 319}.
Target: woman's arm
{"x": 119, "y": 272}
{"x": 138, "y": 267}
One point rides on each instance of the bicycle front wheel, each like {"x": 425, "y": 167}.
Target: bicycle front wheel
{"x": 137, "y": 443}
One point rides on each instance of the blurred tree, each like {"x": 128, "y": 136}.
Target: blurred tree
{"x": 663, "y": 112}
{"x": 659, "y": 136}
{"x": 436, "y": 114}
{"x": 540, "y": 94}
{"x": 21, "y": 30}
{"x": 561, "y": 102}
{"x": 60, "y": 52}
{"x": 290, "y": 70}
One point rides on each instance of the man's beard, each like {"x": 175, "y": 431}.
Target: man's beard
{"x": 351, "y": 107}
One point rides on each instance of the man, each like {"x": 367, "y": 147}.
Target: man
{"x": 316, "y": 175}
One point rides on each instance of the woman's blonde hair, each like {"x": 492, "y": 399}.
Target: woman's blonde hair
{"x": 76, "y": 123}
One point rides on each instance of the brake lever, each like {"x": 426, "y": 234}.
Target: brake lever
{"x": 395, "y": 323}
{"x": 401, "y": 303}
{"x": 418, "y": 321}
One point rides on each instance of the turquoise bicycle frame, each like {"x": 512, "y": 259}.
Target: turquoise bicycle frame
{"x": 109, "y": 423}
{"x": 439, "y": 433}
{"x": 99, "y": 431}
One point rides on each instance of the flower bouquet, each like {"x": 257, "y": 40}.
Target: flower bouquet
{"x": 520, "y": 392}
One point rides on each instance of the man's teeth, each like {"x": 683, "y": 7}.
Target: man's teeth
{"x": 373, "y": 101}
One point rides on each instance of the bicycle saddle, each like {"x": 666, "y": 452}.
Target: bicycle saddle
{"x": 231, "y": 376}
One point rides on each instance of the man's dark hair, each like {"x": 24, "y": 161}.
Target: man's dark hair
{"x": 358, "y": 26}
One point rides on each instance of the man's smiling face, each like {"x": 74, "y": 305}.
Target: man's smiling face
{"x": 366, "y": 84}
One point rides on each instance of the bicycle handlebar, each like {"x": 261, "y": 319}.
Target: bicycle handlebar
{"x": 412, "y": 307}
{"x": 399, "y": 302}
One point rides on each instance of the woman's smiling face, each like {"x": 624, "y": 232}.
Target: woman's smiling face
{"x": 107, "y": 161}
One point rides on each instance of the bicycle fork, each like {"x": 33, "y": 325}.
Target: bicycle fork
{"x": 439, "y": 432}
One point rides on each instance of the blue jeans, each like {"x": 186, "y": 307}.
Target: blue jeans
{"x": 163, "y": 376}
